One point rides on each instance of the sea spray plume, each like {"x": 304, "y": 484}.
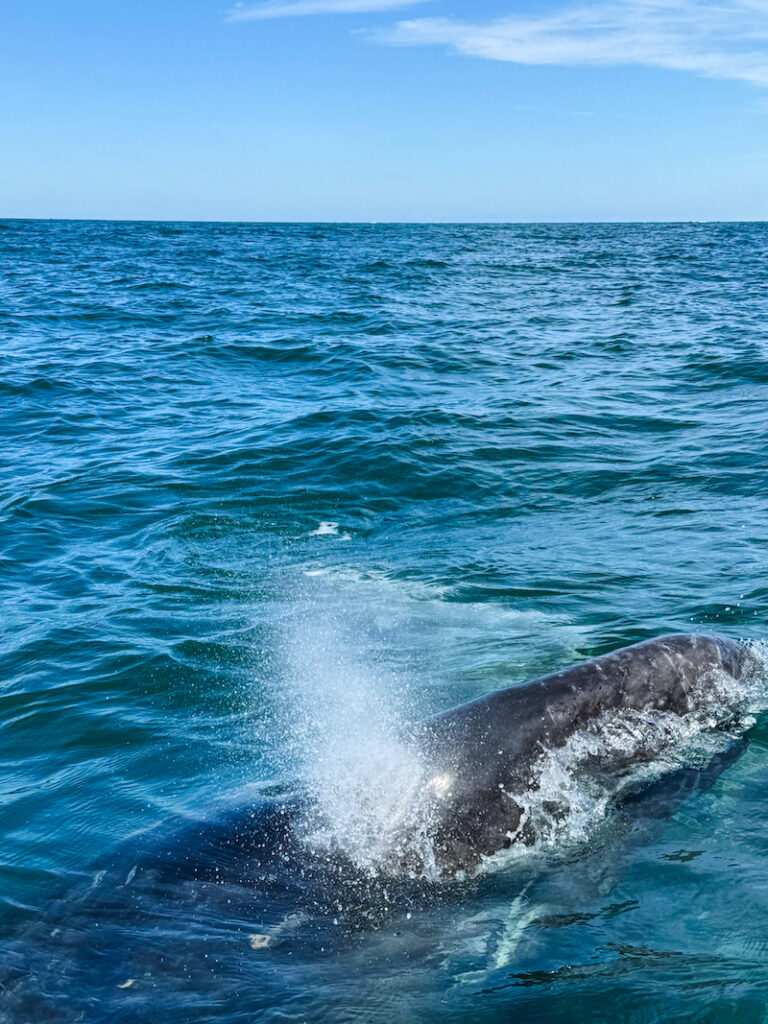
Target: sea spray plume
{"x": 369, "y": 800}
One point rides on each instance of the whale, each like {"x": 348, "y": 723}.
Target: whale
{"x": 480, "y": 763}
{"x": 159, "y": 899}
{"x": 481, "y": 757}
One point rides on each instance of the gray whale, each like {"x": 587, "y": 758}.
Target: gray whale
{"x": 482, "y": 753}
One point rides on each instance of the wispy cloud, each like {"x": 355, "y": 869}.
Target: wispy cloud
{"x": 295, "y": 8}
{"x": 716, "y": 38}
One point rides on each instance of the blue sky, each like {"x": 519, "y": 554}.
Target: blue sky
{"x": 374, "y": 110}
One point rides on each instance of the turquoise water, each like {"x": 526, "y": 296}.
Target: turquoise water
{"x": 271, "y": 493}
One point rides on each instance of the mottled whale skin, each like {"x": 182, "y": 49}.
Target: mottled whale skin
{"x": 483, "y": 751}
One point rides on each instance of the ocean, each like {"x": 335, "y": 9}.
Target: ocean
{"x": 271, "y": 494}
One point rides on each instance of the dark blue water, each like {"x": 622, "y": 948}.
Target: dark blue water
{"x": 271, "y": 493}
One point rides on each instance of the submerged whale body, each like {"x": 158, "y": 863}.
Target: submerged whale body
{"x": 483, "y": 755}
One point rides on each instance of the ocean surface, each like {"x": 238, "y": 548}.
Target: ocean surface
{"x": 270, "y": 494}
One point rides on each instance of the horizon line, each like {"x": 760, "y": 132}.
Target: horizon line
{"x": 376, "y": 223}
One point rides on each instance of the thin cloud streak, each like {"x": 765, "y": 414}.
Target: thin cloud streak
{"x": 715, "y": 38}
{"x": 298, "y": 8}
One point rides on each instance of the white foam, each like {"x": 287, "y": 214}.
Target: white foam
{"x": 326, "y": 529}
{"x": 329, "y": 529}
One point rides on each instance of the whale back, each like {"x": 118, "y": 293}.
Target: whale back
{"x": 485, "y": 750}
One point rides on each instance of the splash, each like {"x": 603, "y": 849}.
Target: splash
{"x": 366, "y": 780}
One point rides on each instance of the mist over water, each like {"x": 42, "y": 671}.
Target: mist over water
{"x": 272, "y": 495}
